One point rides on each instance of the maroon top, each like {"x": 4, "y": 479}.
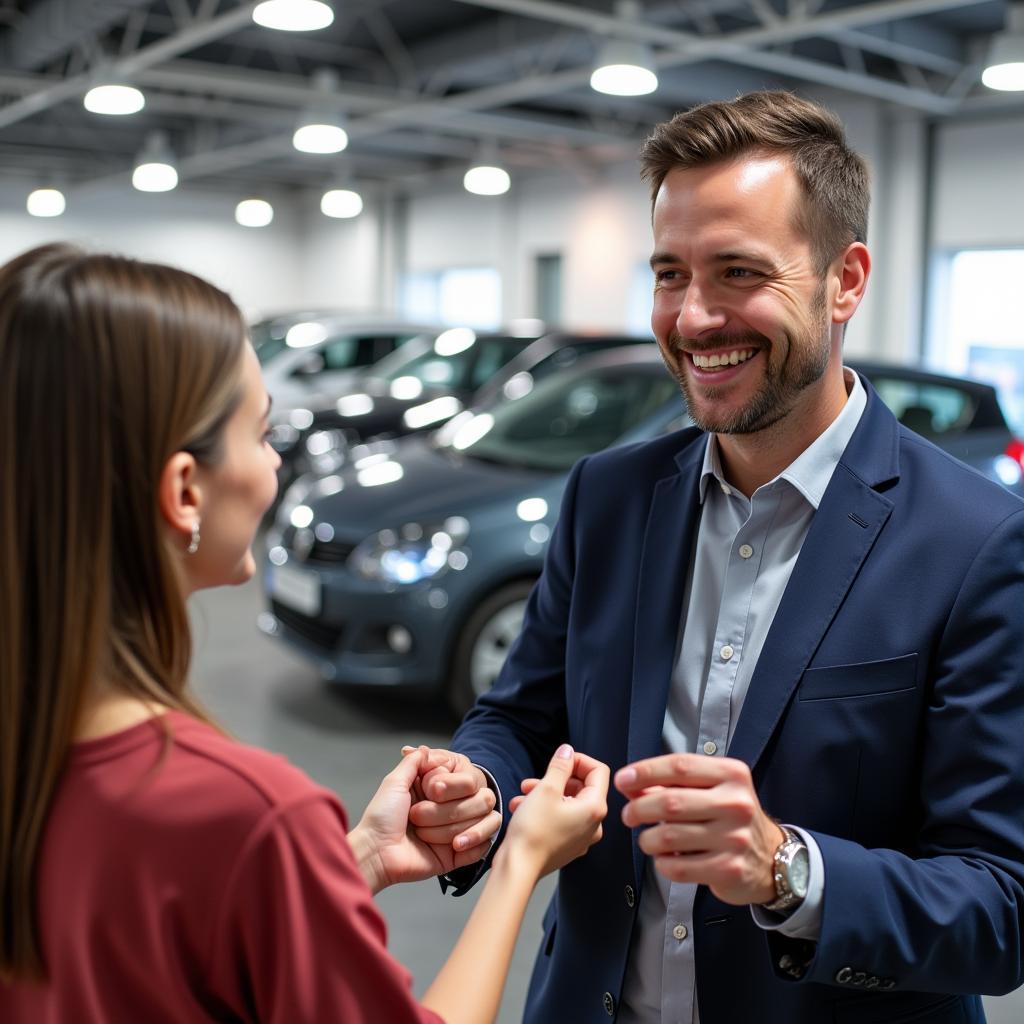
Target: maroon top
{"x": 201, "y": 879}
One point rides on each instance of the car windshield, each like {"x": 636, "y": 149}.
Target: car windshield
{"x": 562, "y": 419}
{"x": 457, "y": 360}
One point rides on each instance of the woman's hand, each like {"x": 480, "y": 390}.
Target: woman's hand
{"x": 560, "y": 817}
{"x": 386, "y": 847}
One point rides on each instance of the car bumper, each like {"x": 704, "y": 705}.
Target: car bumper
{"x": 358, "y": 632}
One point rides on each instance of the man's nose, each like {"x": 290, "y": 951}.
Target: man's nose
{"x": 699, "y": 313}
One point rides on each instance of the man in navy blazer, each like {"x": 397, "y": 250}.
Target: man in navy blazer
{"x": 796, "y": 630}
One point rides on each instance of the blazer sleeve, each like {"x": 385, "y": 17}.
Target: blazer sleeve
{"x": 513, "y": 730}
{"x": 947, "y": 916}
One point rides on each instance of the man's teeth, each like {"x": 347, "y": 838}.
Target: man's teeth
{"x": 717, "y": 361}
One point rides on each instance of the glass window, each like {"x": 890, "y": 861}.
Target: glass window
{"x": 977, "y": 329}
{"x": 929, "y": 409}
{"x": 459, "y": 297}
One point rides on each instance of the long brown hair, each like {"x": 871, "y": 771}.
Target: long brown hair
{"x": 833, "y": 178}
{"x": 108, "y": 366}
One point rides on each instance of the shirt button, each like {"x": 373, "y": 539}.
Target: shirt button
{"x": 679, "y": 932}
{"x": 726, "y": 652}
{"x": 746, "y": 551}
{"x": 710, "y": 747}
{"x": 726, "y": 489}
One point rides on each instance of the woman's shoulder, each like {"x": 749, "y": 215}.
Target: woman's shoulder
{"x": 218, "y": 776}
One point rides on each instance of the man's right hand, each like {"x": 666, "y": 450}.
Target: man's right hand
{"x": 455, "y": 806}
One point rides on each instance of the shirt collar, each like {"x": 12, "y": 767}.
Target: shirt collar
{"x": 811, "y": 471}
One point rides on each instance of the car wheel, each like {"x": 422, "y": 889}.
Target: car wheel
{"x": 484, "y": 644}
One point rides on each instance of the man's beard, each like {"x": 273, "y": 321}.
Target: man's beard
{"x": 782, "y": 385}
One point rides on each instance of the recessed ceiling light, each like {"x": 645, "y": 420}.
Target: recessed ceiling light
{"x": 487, "y": 180}
{"x": 114, "y": 99}
{"x": 342, "y": 203}
{"x": 254, "y": 213}
{"x": 45, "y": 202}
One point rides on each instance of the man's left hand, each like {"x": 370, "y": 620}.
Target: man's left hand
{"x": 707, "y": 824}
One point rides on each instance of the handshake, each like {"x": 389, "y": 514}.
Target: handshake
{"x": 435, "y": 812}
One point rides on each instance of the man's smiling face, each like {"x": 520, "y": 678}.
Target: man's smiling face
{"x": 741, "y": 311}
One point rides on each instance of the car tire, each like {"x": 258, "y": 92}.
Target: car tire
{"x": 484, "y": 643}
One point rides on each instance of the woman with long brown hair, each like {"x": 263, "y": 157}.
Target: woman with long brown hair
{"x": 151, "y": 868}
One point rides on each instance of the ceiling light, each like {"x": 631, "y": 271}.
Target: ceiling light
{"x": 293, "y": 15}
{"x": 320, "y": 128}
{"x": 254, "y": 213}
{"x": 45, "y": 202}
{"x": 624, "y": 67}
{"x": 1005, "y": 67}
{"x": 487, "y": 180}
{"x": 154, "y": 168}
{"x": 342, "y": 203}
{"x": 114, "y": 99}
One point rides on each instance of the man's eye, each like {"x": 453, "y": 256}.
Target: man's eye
{"x": 666, "y": 275}
{"x": 739, "y": 272}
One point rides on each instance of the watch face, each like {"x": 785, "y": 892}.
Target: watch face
{"x": 799, "y": 872}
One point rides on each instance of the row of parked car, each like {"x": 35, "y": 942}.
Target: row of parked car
{"x": 420, "y": 492}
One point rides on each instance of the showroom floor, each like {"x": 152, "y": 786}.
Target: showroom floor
{"x": 268, "y": 697}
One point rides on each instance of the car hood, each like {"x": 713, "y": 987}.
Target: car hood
{"x": 434, "y": 484}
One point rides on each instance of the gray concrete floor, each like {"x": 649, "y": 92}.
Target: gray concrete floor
{"x": 266, "y": 696}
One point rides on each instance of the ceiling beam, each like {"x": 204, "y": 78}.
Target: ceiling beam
{"x": 197, "y": 34}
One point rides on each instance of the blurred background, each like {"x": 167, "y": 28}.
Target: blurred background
{"x": 431, "y": 214}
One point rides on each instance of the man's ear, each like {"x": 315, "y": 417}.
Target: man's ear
{"x": 178, "y": 495}
{"x": 850, "y": 271}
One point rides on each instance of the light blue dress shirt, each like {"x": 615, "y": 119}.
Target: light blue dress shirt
{"x": 743, "y": 557}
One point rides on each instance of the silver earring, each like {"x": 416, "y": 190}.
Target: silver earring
{"x": 193, "y": 546}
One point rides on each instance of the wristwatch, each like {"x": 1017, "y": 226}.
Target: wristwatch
{"x": 791, "y": 871}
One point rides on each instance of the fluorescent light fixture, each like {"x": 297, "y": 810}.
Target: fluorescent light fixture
{"x": 487, "y": 180}
{"x": 293, "y": 15}
{"x": 114, "y": 99}
{"x": 624, "y": 67}
{"x": 342, "y": 203}
{"x": 320, "y": 138}
{"x": 320, "y": 129}
{"x": 45, "y": 202}
{"x": 1005, "y": 67}
{"x": 154, "y": 169}
{"x": 254, "y": 213}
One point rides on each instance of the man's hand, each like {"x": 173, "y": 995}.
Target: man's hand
{"x": 387, "y": 848}
{"x": 455, "y": 807}
{"x": 707, "y": 824}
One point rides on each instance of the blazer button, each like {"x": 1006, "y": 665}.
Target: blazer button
{"x": 630, "y": 897}
{"x": 609, "y": 1004}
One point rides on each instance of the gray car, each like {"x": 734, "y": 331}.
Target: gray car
{"x": 412, "y": 566}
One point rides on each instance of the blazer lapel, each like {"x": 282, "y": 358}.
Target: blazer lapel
{"x": 843, "y": 531}
{"x": 664, "y": 565}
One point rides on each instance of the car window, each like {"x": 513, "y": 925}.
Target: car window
{"x": 932, "y": 410}
{"x": 491, "y": 356}
{"x": 562, "y": 420}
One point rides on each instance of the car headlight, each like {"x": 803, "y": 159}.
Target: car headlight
{"x": 415, "y": 552}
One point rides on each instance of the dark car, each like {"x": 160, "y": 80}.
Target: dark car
{"x": 426, "y": 383}
{"x": 412, "y": 566}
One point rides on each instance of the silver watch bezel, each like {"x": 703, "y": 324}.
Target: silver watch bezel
{"x": 785, "y": 854}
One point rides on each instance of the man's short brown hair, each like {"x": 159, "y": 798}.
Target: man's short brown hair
{"x": 834, "y": 178}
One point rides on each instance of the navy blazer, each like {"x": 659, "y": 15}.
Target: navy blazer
{"x": 886, "y": 716}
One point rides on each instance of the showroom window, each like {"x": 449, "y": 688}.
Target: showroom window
{"x": 640, "y": 300}
{"x": 458, "y": 297}
{"x": 976, "y": 327}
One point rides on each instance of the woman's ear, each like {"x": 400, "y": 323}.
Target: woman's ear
{"x": 852, "y": 270}
{"x": 179, "y": 496}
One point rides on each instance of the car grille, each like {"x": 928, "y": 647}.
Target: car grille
{"x": 316, "y": 632}
{"x": 332, "y": 552}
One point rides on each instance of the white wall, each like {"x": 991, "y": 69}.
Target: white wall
{"x": 301, "y": 259}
